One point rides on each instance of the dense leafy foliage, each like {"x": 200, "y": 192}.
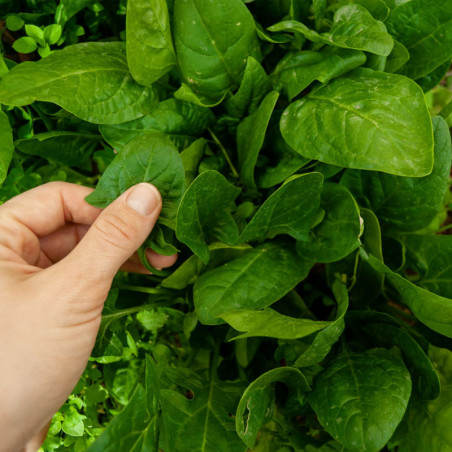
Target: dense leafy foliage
{"x": 303, "y": 152}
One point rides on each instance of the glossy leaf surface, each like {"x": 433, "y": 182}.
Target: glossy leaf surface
{"x": 353, "y": 119}
{"x": 90, "y": 80}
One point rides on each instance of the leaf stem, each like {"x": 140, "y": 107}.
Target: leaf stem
{"x": 446, "y": 111}
{"x": 143, "y": 289}
{"x": 43, "y": 118}
{"x": 225, "y": 153}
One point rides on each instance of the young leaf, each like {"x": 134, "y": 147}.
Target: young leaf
{"x": 213, "y": 41}
{"x": 52, "y": 33}
{"x": 322, "y": 342}
{"x": 35, "y": 33}
{"x": 256, "y": 280}
{"x": 150, "y": 52}
{"x": 148, "y": 158}
{"x": 250, "y": 137}
{"x": 406, "y": 204}
{"x": 338, "y": 233}
{"x": 14, "y": 23}
{"x": 24, "y": 45}
{"x": 353, "y": 28}
{"x": 181, "y": 121}
{"x": 424, "y": 27}
{"x": 90, "y": 80}
{"x": 297, "y": 70}
{"x": 6, "y": 145}
{"x": 289, "y": 210}
{"x": 65, "y": 148}
{"x": 358, "y": 117}
{"x": 208, "y": 200}
{"x": 257, "y": 402}
{"x": 371, "y": 396}
{"x": 254, "y": 87}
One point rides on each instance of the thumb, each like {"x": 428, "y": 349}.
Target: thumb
{"x": 117, "y": 233}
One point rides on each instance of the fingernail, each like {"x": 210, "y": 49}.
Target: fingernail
{"x": 143, "y": 198}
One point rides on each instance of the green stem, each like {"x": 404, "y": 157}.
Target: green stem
{"x": 225, "y": 153}
{"x": 355, "y": 271}
{"x": 446, "y": 111}
{"x": 143, "y": 289}
{"x": 43, "y": 118}
{"x": 445, "y": 228}
{"x": 148, "y": 266}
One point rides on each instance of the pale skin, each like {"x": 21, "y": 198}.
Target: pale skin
{"x": 58, "y": 258}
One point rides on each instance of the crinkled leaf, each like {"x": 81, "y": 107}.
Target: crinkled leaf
{"x": 204, "y": 213}
{"x": 150, "y": 52}
{"x": 150, "y": 158}
{"x": 257, "y": 279}
{"x": 90, "y": 80}
{"x": 371, "y": 393}
{"x": 354, "y": 119}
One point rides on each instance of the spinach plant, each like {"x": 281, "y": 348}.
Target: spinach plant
{"x": 303, "y": 152}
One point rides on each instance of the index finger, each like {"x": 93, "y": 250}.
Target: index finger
{"x": 47, "y": 208}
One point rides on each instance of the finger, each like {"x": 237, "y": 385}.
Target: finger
{"x": 38, "y": 213}
{"x": 59, "y": 244}
{"x": 158, "y": 261}
{"x": 115, "y": 236}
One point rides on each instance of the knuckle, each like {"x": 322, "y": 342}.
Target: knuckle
{"x": 114, "y": 230}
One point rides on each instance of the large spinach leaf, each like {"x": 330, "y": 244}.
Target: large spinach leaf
{"x": 90, "y": 80}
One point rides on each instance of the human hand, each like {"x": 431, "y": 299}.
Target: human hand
{"x": 58, "y": 258}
